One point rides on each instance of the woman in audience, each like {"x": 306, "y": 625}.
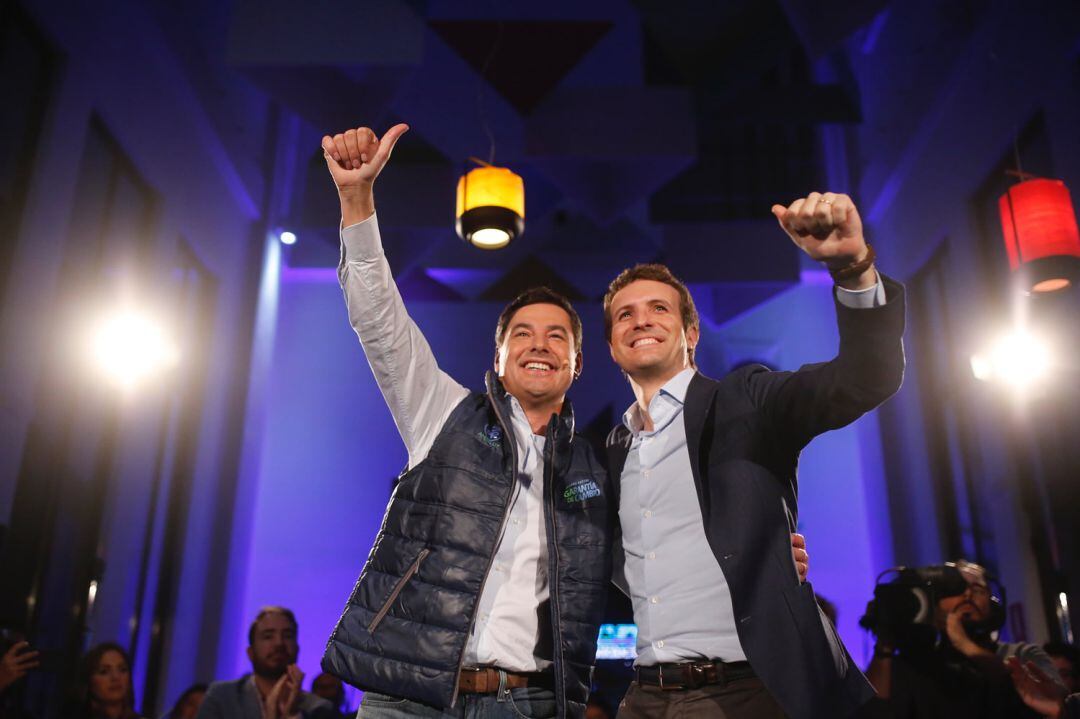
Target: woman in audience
{"x": 104, "y": 689}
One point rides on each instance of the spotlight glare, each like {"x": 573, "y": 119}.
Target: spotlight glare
{"x": 288, "y": 238}
{"x": 982, "y": 367}
{"x": 128, "y": 348}
{"x": 1017, "y": 359}
{"x": 490, "y": 238}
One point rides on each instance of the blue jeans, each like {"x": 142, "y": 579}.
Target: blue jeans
{"x": 524, "y": 703}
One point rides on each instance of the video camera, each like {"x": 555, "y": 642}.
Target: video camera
{"x": 903, "y": 608}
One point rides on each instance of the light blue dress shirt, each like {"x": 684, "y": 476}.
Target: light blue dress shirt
{"x": 682, "y": 604}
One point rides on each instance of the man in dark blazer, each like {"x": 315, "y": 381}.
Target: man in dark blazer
{"x": 706, "y": 477}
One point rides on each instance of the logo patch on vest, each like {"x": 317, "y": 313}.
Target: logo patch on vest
{"x": 491, "y": 436}
{"x": 581, "y": 490}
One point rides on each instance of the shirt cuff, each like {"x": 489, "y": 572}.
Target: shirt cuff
{"x": 862, "y": 299}
{"x": 361, "y": 241}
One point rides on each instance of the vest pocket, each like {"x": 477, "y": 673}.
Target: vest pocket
{"x": 409, "y": 573}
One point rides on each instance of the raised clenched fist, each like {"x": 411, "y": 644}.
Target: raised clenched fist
{"x": 826, "y": 226}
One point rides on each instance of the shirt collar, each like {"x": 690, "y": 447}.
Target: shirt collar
{"x": 674, "y": 390}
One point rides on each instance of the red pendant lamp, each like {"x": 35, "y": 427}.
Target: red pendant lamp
{"x": 1041, "y": 236}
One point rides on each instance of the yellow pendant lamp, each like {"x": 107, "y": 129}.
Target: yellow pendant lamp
{"x": 490, "y": 206}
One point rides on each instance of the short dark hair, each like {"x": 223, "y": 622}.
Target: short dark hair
{"x": 657, "y": 273}
{"x": 266, "y": 611}
{"x": 538, "y": 296}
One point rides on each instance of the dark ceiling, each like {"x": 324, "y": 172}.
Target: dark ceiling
{"x": 643, "y": 130}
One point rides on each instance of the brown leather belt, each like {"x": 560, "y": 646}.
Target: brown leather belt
{"x": 485, "y": 680}
{"x": 692, "y": 675}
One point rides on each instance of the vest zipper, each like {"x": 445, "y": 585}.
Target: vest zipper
{"x": 397, "y": 589}
{"x": 553, "y": 575}
{"x": 508, "y": 431}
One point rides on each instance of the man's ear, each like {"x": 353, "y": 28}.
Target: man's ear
{"x": 251, "y": 654}
{"x": 692, "y": 336}
{"x": 578, "y": 364}
{"x": 497, "y": 373}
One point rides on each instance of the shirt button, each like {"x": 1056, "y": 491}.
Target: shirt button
{"x": 517, "y": 521}
{"x": 660, "y": 644}
{"x": 654, "y": 600}
{"x": 647, "y": 513}
{"x": 645, "y": 474}
{"x": 651, "y": 555}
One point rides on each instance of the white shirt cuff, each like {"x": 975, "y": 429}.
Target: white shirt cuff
{"x": 862, "y": 299}
{"x": 361, "y": 241}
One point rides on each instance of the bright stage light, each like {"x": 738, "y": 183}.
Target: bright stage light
{"x": 288, "y": 238}
{"x": 129, "y": 348}
{"x": 1017, "y": 358}
{"x": 490, "y": 238}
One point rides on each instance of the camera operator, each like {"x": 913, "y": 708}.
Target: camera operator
{"x": 937, "y": 654}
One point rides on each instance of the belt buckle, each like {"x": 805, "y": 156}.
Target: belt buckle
{"x": 475, "y": 674}
{"x": 667, "y": 687}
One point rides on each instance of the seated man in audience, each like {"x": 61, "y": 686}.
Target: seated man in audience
{"x": 272, "y": 690}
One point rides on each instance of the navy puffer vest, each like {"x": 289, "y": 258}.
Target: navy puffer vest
{"x": 404, "y": 629}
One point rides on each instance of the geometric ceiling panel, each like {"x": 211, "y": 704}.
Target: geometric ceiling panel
{"x": 522, "y": 60}
{"x": 306, "y": 91}
{"x": 419, "y": 286}
{"x": 604, "y": 166}
{"x": 324, "y": 33}
{"x": 741, "y": 251}
{"x": 823, "y": 24}
{"x": 468, "y": 282}
{"x": 721, "y": 302}
{"x": 526, "y": 275}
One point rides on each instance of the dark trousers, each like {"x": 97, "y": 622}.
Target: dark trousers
{"x": 741, "y": 699}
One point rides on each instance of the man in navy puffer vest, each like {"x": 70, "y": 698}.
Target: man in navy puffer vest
{"x": 484, "y": 591}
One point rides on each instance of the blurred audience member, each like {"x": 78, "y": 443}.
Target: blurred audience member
{"x": 103, "y": 689}
{"x": 187, "y": 705}
{"x": 332, "y": 689}
{"x": 272, "y": 690}
{"x": 945, "y": 662}
{"x": 1065, "y": 658}
{"x": 16, "y": 659}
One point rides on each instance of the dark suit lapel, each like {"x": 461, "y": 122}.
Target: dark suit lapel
{"x": 699, "y": 422}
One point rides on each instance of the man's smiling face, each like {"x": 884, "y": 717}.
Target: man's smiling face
{"x": 647, "y": 333}
{"x": 537, "y": 358}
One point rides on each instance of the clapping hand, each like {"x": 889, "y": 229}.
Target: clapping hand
{"x": 281, "y": 702}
